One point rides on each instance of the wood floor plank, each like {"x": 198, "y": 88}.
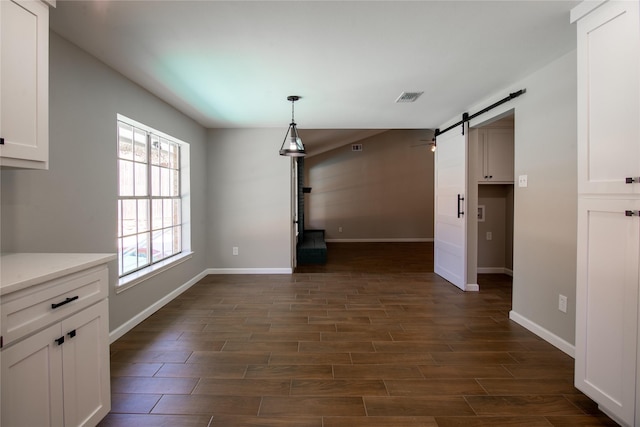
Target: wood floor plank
{"x": 310, "y": 406}
{"x": 133, "y": 403}
{"x": 289, "y": 371}
{"x": 517, "y": 405}
{"x": 377, "y": 372}
{"x": 434, "y": 387}
{"x": 247, "y": 421}
{"x": 528, "y": 386}
{"x": 140, "y": 420}
{"x": 202, "y": 370}
{"x": 417, "y": 406}
{"x": 153, "y": 385}
{"x": 397, "y": 421}
{"x": 338, "y": 388}
{"x": 207, "y": 405}
{"x": 528, "y": 421}
{"x": 243, "y": 387}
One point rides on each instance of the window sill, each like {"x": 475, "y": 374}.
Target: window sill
{"x": 140, "y": 276}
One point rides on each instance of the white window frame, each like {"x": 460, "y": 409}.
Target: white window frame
{"x": 131, "y": 279}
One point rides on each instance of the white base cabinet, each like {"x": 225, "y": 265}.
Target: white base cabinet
{"x": 59, "y": 373}
{"x": 607, "y": 304}
{"x": 55, "y": 355}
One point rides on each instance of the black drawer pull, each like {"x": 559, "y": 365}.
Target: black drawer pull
{"x": 59, "y": 341}
{"x": 67, "y": 301}
{"x": 72, "y": 333}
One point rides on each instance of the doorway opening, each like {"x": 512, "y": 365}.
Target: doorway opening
{"x": 491, "y": 195}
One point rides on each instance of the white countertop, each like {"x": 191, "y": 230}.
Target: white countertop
{"x": 21, "y": 270}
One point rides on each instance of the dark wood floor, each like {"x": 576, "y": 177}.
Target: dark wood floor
{"x": 373, "y": 338}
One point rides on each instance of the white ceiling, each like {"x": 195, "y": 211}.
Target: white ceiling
{"x": 233, "y": 63}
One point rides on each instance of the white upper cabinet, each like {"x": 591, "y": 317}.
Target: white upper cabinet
{"x": 609, "y": 99}
{"x": 495, "y": 156}
{"x": 24, "y": 84}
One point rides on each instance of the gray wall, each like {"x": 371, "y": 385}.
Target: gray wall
{"x": 497, "y": 252}
{"x": 384, "y": 192}
{"x": 72, "y": 206}
{"x": 544, "y": 262}
{"x": 248, "y": 200}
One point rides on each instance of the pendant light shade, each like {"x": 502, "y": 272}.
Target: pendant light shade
{"x": 292, "y": 144}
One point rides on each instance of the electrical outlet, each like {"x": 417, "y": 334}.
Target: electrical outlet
{"x": 489, "y": 235}
{"x": 235, "y": 250}
{"x": 523, "y": 181}
{"x": 339, "y": 229}
{"x": 562, "y": 303}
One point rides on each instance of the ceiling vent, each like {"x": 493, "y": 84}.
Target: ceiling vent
{"x": 409, "y": 96}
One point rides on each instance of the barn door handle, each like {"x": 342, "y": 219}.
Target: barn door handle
{"x": 460, "y": 200}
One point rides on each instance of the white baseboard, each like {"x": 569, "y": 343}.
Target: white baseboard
{"x": 471, "y": 287}
{"x": 249, "y": 271}
{"x": 392, "y": 240}
{"x": 543, "y": 333}
{"x": 138, "y": 318}
{"x": 495, "y": 270}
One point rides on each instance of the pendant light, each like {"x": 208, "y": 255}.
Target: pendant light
{"x": 292, "y": 144}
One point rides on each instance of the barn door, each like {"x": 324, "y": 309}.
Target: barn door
{"x": 450, "y": 243}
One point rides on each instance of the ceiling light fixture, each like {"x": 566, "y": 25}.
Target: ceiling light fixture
{"x": 433, "y": 144}
{"x": 292, "y": 144}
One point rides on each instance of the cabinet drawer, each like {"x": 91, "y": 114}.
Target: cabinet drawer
{"x": 31, "y": 309}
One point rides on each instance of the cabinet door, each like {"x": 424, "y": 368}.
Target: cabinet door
{"x": 24, "y": 83}
{"x": 481, "y": 156}
{"x": 31, "y": 391}
{"x": 495, "y": 157}
{"x": 609, "y": 99}
{"x": 499, "y": 155}
{"x": 607, "y": 304}
{"x": 87, "y": 394}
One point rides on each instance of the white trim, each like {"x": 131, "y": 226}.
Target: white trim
{"x": 132, "y": 279}
{"x": 249, "y": 271}
{"x": 583, "y": 9}
{"x": 471, "y": 287}
{"x": 495, "y": 270}
{"x": 138, "y": 318}
{"x": 543, "y": 333}
{"x": 392, "y": 240}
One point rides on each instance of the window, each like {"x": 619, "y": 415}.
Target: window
{"x": 150, "y": 202}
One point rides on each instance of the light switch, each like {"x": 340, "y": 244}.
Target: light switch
{"x": 522, "y": 181}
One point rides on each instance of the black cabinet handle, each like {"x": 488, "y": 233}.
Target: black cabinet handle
{"x": 59, "y": 341}
{"x": 631, "y": 180}
{"x": 1, "y": 141}
{"x": 72, "y": 333}
{"x": 632, "y": 213}
{"x": 67, "y": 301}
